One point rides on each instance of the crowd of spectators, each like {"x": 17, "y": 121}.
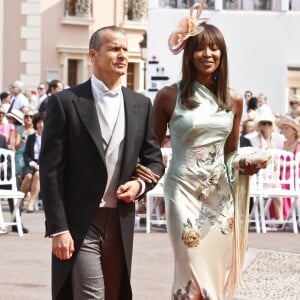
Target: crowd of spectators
{"x": 263, "y": 129}
{"x": 22, "y": 115}
{"x": 21, "y": 123}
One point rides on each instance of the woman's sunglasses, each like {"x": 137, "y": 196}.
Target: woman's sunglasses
{"x": 265, "y": 123}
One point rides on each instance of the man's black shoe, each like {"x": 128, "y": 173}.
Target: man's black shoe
{"x": 14, "y": 228}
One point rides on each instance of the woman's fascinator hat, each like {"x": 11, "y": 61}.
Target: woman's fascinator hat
{"x": 186, "y": 28}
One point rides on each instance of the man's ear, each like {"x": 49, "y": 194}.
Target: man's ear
{"x": 92, "y": 54}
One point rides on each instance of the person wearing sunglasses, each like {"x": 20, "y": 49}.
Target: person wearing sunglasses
{"x": 294, "y": 103}
{"x": 18, "y": 99}
{"x": 54, "y": 86}
{"x": 15, "y": 117}
{"x": 267, "y": 138}
{"x": 24, "y": 130}
{"x": 41, "y": 95}
{"x": 247, "y": 96}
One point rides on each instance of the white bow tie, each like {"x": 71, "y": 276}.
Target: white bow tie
{"x": 111, "y": 93}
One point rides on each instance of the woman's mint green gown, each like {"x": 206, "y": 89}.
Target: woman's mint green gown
{"x": 198, "y": 198}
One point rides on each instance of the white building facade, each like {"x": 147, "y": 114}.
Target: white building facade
{"x": 48, "y": 39}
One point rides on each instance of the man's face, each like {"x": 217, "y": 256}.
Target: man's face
{"x": 247, "y": 96}
{"x": 260, "y": 101}
{"x": 249, "y": 126}
{"x": 111, "y": 60}
{"x": 41, "y": 89}
{"x": 15, "y": 89}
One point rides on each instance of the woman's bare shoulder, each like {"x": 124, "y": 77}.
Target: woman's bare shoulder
{"x": 166, "y": 97}
{"x": 167, "y": 92}
{"x": 235, "y": 96}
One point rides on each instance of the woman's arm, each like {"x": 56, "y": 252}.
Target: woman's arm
{"x": 18, "y": 140}
{"x": 246, "y": 165}
{"x": 163, "y": 107}
{"x": 12, "y": 139}
{"x": 231, "y": 145}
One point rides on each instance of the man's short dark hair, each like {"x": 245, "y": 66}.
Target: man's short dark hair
{"x": 95, "y": 40}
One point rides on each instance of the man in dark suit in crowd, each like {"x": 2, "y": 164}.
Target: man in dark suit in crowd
{"x": 244, "y": 142}
{"x": 94, "y": 134}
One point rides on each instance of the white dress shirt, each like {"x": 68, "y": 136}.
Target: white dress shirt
{"x": 109, "y": 100}
{"x": 110, "y": 105}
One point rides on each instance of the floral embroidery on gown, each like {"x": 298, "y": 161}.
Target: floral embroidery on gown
{"x": 198, "y": 198}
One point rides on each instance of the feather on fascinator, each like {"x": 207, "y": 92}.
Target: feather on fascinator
{"x": 186, "y": 28}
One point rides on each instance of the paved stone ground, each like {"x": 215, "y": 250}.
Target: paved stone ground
{"x": 272, "y": 275}
{"x": 25, "y": 264}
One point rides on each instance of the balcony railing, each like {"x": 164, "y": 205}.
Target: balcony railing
{"x": 79, "y": 8}
{"x": 135, "y": 10}
{"x": 267, "y": 5}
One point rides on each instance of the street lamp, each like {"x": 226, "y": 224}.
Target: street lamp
{"x": 143, "y": 47}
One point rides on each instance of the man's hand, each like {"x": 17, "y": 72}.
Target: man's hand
{"x": 128, "y": 191}
{"x": 63, "y": 246}
{"x": 145, "y": 174}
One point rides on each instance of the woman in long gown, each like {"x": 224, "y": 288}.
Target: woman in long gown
{"x": 204, "y": 117}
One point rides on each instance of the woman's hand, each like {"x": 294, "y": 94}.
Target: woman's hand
{"x": 145, "y": 174}
{"x": 252, "y": 163}
{"x": 34, "y": 165}
{"x": 247, "y": 167}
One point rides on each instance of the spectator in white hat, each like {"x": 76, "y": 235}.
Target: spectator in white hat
{"x": 16, "y": 118}
{"x": 265, "y": 137}
{"x": 290, "y": 128}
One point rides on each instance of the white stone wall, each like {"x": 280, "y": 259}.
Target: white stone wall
{"x": 261, "y": 47}
{"x": 1, "y": 48}
{"x": 31, "y": 32}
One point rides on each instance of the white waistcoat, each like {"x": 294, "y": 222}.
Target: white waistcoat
{"x": 113, "y": 143}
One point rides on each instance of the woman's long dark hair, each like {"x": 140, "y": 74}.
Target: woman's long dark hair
{"x": 210, "y": 35}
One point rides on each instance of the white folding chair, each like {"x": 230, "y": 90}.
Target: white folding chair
{"x": 153, "y": 215}
{"x": 297, "y": 185}
{"x": 152, "y": 208}
{"x": 254, "y": 216}
{"x": 271, "y": 181}
{"x": 8, "y": 178}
